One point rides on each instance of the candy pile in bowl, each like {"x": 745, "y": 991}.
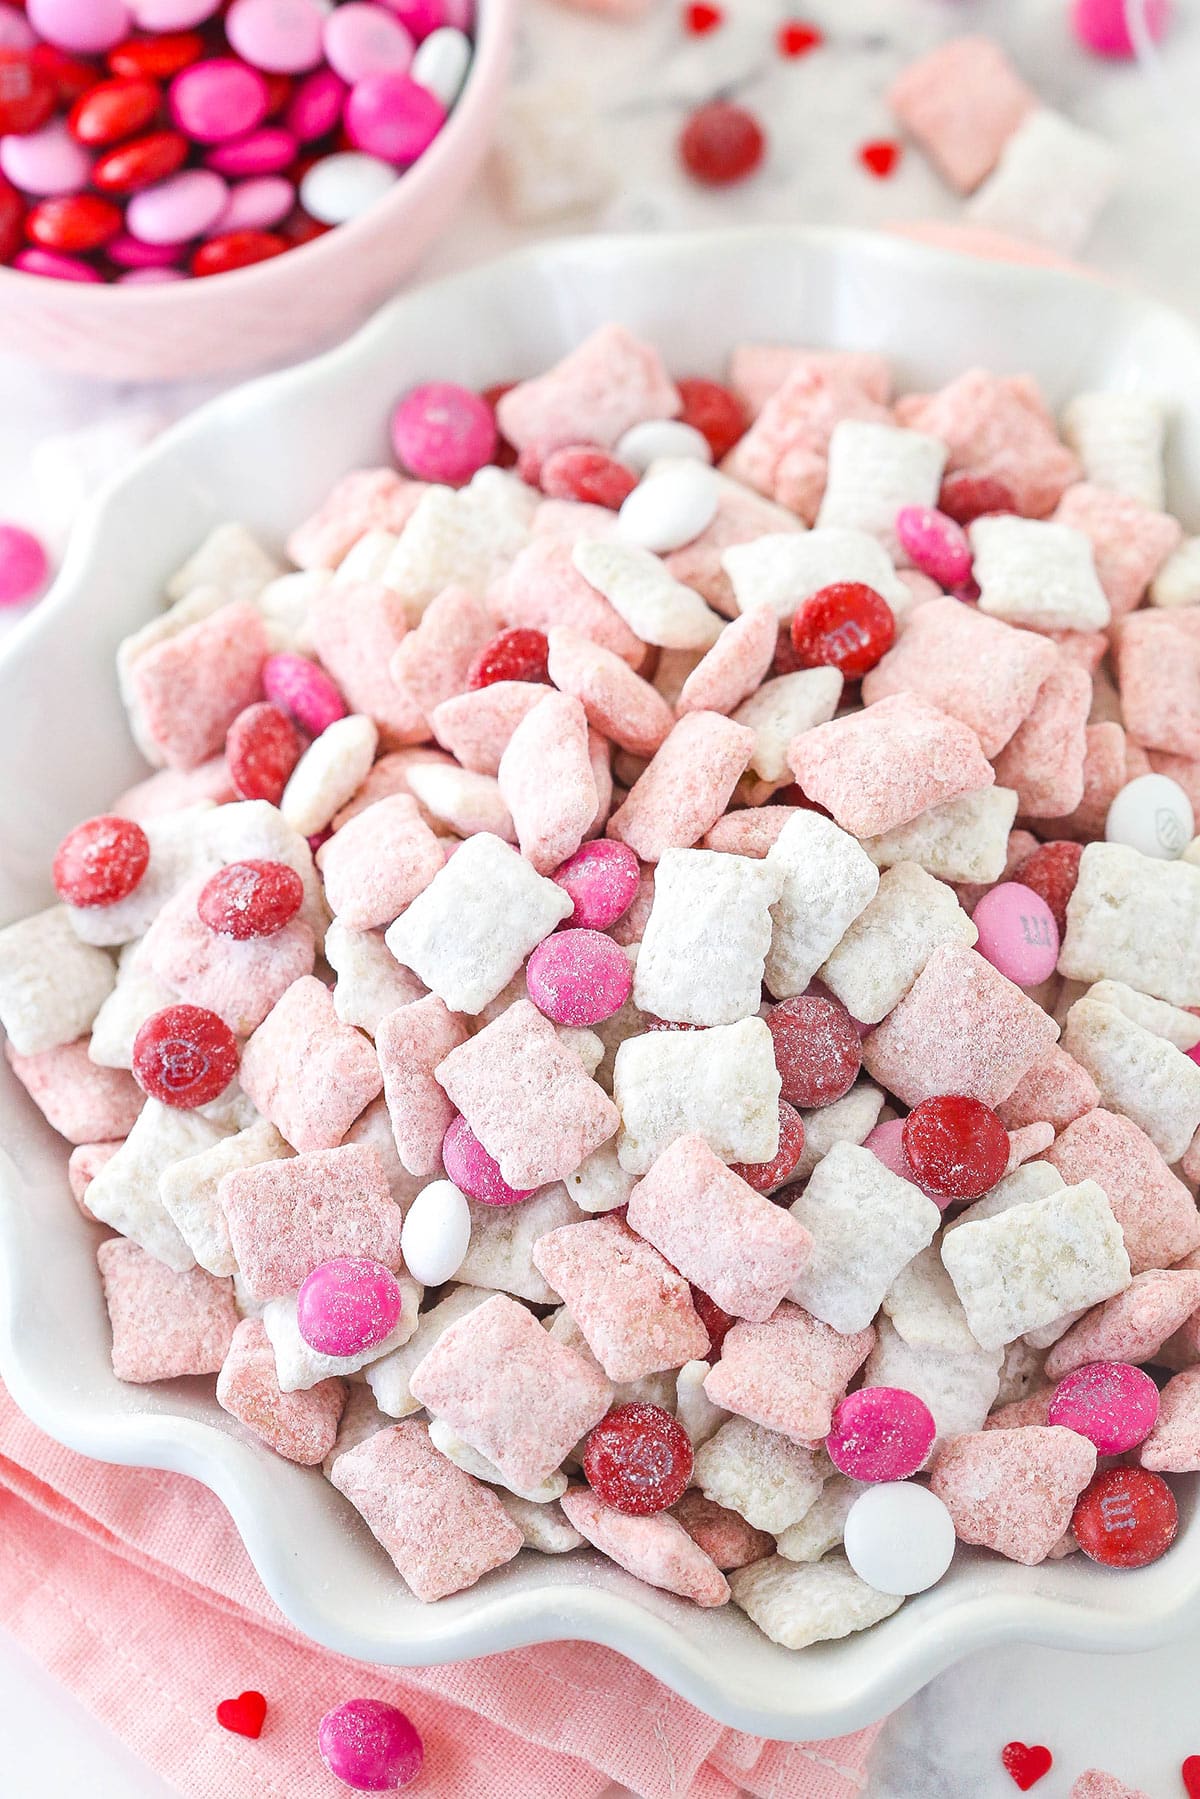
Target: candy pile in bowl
{"x": 142, "y": 141}
{"x": 657, "y": 1005}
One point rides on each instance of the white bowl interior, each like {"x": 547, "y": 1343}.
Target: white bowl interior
{"x": 266, "y": 453}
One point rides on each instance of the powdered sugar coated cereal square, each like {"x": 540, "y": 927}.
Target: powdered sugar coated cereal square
{"x": 286, "y": 1218}
{"x": 1118, "y": 437}
{"x": 301, "y": 1427}
{"x": 764, "y": 1477}
{"x": 329, "y": 772}
{"x": 848, "y": 1120}
{"x": 618, "y": 703}
{"x": 370, "y": 982}
{"x": 1014, "y": 1490}
{"x": 866, "y": 1223}
{"x": 796, "y": 1604}
{"x": 787, "y": 1373}
{"x": 124, "y": 1194}
{"x": 1038, "y": 573}
{"x": 1154, "y": 1084}
{"x": 546, "y": 781}
{"x": 784, "y": 453}
{"x": 307, "y": 1072}
{"x": 637, "y": 585}
{"x": 500, "y": 1253}
{"x": 1131, "y": 1327}
{"x": 363, "y": 500}
{"x": 355, "y": 632}
{"x": 721, "y": 1082}
{"x": 82, "y": 1101}
{"x": 1044, "y": 760}
{"x": 686, "y": 786}
{"x": 411, "y": 1043}
{"x": 164, "y": 1323}
{"x": 707, "y": 937}
{"x": 964, "y": 840}
{"x": 51, "y": 984}
{"x": 783, "y": 708}
{"x": 883, "y": 950}
{"x": 1158, "y": 671}
{"x": 1056, "y": 1089}
{"x": 823, "y": 1524}
{"x": 958, "y": 1385}
{"x": 1130, "y": 540}
{"x": 734, "y": 667}
{"x": 874, "y": 471}
{"x": 722, "y": 1534}
{"x": 189, "y": 688}
{"x": 825, "y": 881}
{"x": 1017, "y": 198}
{"x": 431, "y": 664}
{"x": 782, "y": 569}
{"x": 188, "y": 1190}
{"x": 962, "y": 102}
{"x": 475, "y": 727}
{"x": 1154, "y": 1209}
{"x": 239, "y": 981}
{"x": 608, "y": 383}
{"x": 634, "y": 1310}
{"x": 543, "y": 589}
{"x": 388, "y": 1378}
{"x": 998, "y": 426}
{"x": 379, "y": 862}
{"x": 467, "y": 536}
{"x": 656, "y": 1549}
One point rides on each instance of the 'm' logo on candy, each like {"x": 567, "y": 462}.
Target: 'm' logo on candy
{"x": 182, "y": 1064}
{"x": 1168, "y": 828}
{"x": 1117, "y": 1512}
{"x": 847, "y": 636}
{"x": 1036, "y": 931}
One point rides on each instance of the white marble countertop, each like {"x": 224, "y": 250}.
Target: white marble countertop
{"x": 1135, "y": 1716}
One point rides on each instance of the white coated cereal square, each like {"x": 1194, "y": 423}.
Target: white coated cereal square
{"x": 600, "y": 1184}
{"x": 874, "y": 471}
{"x": 1119, "y": 440}
{"x": 781, "y": 709}
{"x": 51, "y": 984}
{"x": 888, "y": 944}
{"x": 823, "y": 1524}
{"x": 1177, "y": 582}
{"x": 958, "y": 1385}
{"x": 721, "y": 1082}
{"x": 766, "y": 1478}
{"x": 798, "y": 1603}
{"x": 1137, "y": 1073}
{"x": 1034, "y": 572}
{"x": 500, "y": 1253}
{"x": 298, "y": 1366}
{"x": 366, "y": 561}
{"x": 961, "y": 840}
{"x": 707, "y": 937}
{"x": 446, "y": 1439}
{"x": 784, "y": 568}
{"x": 637, "y": 585}
{"x": 850, "y": 1119}
{"x": 466, "y": 536}
{"x": 866, "y": 1224}
{"x": 827, "y": 880}
{"x": 1025, "y": 1267}
{"x": 388, "y": 1377}
{"x": 1033, "y": 1180}
{"x": 1169, "y": 1022}
{"x": 925, "y": 1309}
{"x": 1135, "y": 919}
{"x": 125, "y": 1193}
{"x": 231, "y": 559}
{"x": 471, "y": 929}
{"x": 545, "y": 1528}
{"x": 330, "y": 772}
{"x": 188, "y": 1190}
{"x": 137, "y": 996}
{"x": 700, "y": 1418}
{"x": 1051, "y": 183}
{"x": 370, "y": 982}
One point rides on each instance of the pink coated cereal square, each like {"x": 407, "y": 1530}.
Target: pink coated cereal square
{"x": 1013, "y": 1490}
{"x": 656, "y": 1549}
{"x": 998, "y": 425}
{"x": 877, "y": 769}
{"x": 365, "y": 499}
{"x": 1156, "y": 1213}
{"x": 686, "y": 787}
{"x": 1133, "y": 1325}
{"x": 286, "y": 1218}
{"x": 757, "y": 370}
{"x": 787, "y": 1373}
{"x": 634, "y": 1310}
{"x": 547, "y": 783}
{"x": 476, "y": 727}
{"x": 528, "y": 1098}
{"x": 736, "y": 665}
{"x": 511, "y": 1390}
{"x": 1105, "y": 772}
{"x": 962, "y": 102}
{"x": 299, "y": 1426}
{"x": 187, "y": 689}
{"x": 1184, "y": 769}
{"x": 741, "y": 516}
{"x": 1058, "y": 1089}
{"x": 442, "y": 1529}
{"x": 1043, "y": 761}
{"x": 1173, "y": 1446}
{"x": 785, "y": 452}
{"x": 411, "y": 1043}
{"x": 355, "y": 631}
{"x": 164, "y": 1324}
{"x": 387, "y": 776}
{"x": 608, "y": 383}
{"x": 174, "y": 789}
{"x": 83, "y": 1165}
{"x": 239, "y": 981}
{"x": 1158, "y": 672}
{"x": 984, "y": 673}
{"x": 543, "y": 588}
{"x": 307, "y": 1072}
{"x": 730, "y": 1241}
{"x": 378, "y": 863}
{"x": 82, "y": 1101}
{"x": 751, "y": 832}
{"x": 431, "y": 663}
{"x": 618, "y": 703}
{"x": 962, "y": 1028}
{"x": 724, "y": 1535}
{"x": 1130, "y": 540}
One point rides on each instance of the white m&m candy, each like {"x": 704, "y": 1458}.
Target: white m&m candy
{"x": 437, "y": 1231}
{"x": 1154, "y": 815}
{"x": 441, "y": 63}
{"x": 655, "y": 439}
{"x": 338, "y": 188}
{"x": 899, "y": 1537}
{"x": 670, "y": 508}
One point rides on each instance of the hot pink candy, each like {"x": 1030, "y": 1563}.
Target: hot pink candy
{"x": 84, "y": 27}
{"x": 1113, "y": 1404}
{"x": 578, "y": 977}
{"x": 131, "y": 253}
{"x": 370, "y": 1745}
{"x": 935, "y": 544}
{"x": 421, "y": 17}
{"x": 469, "y": 1166}
{"x": 362, "y": 39}
{"x": 880, "y": 1433}
{"x": 303, "y": 690}
{"x": 23, "y": 565}
{"x": 218, "y": 99}
{"x": 392, "y": 117}
{"x": 1017, "y": 933}
{"x": 443, "y": 432}
{"x": 1102, "y": 25}
{"x": 315, "y": 108}
{"x": 55, "y": 265}
{"x": 348, "y": 1305}
{"x": 264, "y": 151}
{"x": 601, "y": 879}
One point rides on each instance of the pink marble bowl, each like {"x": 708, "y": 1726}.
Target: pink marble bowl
{"x": 276, "y": 310}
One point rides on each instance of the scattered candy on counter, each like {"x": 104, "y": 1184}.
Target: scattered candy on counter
{"x": 24, "y": 565}
{"x": 1026, "y": 1763}
{"x": 370, "y": 1746}
{"x": 245, "y": 1715}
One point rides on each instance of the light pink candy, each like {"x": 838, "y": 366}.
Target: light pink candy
{"x": 281, "y": 36}
{"x": 393, "y": 117}
{"x": 265, "y": 151}
{"x": 362, "y": 39}
{"x": 347, "y": 1305}
{"x": 935, "y": 544}
{"x": 442, "y": 432}
{"x": 601, "y": 879}
{"x": 184, "y": 206}
{"x": 82, "y": 26}
{"x": 257, "y": 204}
{"x": 1113, "y": 1404}
{"x": 1017, "y": 933}
{"x": 45, "y": 162}
{"x": 370, "y": 1745}
{"x": 578, "y": 977}
{"x": 304, "y": 690}
{"x": 469, "y": 1166}
{"x": 880, "y": 1433}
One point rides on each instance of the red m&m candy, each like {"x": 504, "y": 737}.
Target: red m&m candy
{"x": 638, "y": 1460}
{"x": 101, "y": 861}
{"x": 1125, "y": 1518}
{"x": 847, "y": 626}
{"x": 184, "y": 1056}
{"x": 956, "y": 1146}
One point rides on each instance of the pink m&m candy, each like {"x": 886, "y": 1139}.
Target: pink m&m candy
{"x": 389, "y": 116}
{"x": 172, "y": 15}
{"x": 370, "y": 1746}
{"x": 578, "y": 977}
{"x": 257, "y": 205}
{"x": 420, "y": 17}
{"x": 303, "y": 690}
{"x": 347, "y": 1305}
{"x": 48, "y": 161}
{"x": 55, "y": 265}
{"x": 469, "y": 1166}
{"x": 601, "y": 879}
{"x": 1103, "y": 25}
{"x": 316, "y": 106}
{"x": 887, "y": 1142}
{"x": 362, "y": 39}
{"x": 934, "y": 544}
{"x": 880, "y": 1433}
{"x": 15, "y": 33}
{"x": 185, "y": 205}
{"x": 1017, "y": 933}
{"x": 23, "y": 565}
{"x": 85, "y": 27}
{"x": 281, "y": 36}
{"x": 1113, "y": 1404}
{"x": 150, "y": 277}
{"x": 131, "y": 253}
{"x": 442, "y": 432}
{"x": 218, "y": 99}
{"x": 267, "y": 151}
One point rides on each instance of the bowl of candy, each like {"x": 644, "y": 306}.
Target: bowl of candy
{"x": 188, "y": 188}
{"x": 606, "y": 1041}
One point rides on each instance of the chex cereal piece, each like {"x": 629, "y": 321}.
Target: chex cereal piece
{"x": 765, "y": 1478}
{"x": 457, "y": 1450}
{"x": 784, "y": 453}
{"x": 700, "y": 1418}
{"x": 171, "y": 790}
{"x": 1158, "y": 670}
{"x": 1032, "y": 1181}
{"x": 355, "y": 632}
{"x": 1173, "y": 1446}
{"x": 365, "y": 499}
{"x": 298, "y": 1366}
{"x": 471, "y": 929}
{"x": 366, "y": 561}
{"x": 410, "y": 1044}
{"x": 1044, "y": 761}
{"x": 373, "y": 1130}
{"x": 1177, "y": 582}
{"x": 360, "y": 1419}
{"x": 1154, "y": 1084}
{"x": 1106, "y": 768}
{"x": 1029, "y": 1265}
{"x": 307, "y": 1072}
{"x": 1038, "y": 573}
{"x": 442, "y": 1529}
{"x": 756, "y": 370}
{"x": 722, "y": 1534}
{"x": 475, "y": 727}
{"x": 618, "y": 703}
{"x": 1014, "y": 1490}
{"x": 544, "y": 589}
{"x": 1057, "y": 1089}
{"x": 458, "y": 800}
{"x": 198, "y": 605}
{"x": 963, "y": 840}
{"x": 634, "y": 1310}
{"x": 188, "y": 1190}
{"x": 239, "y": 981}
{"x": 1154, "y": 1209}
{"x": 958, "y": 1385}
{"x": 286, "y": 1218}
{"x": 874, "y": 471}
{"x": 825, "y": 881}
{"x": 656, "y": 1549}
{"x": 82, "y": 1101}
{"x": 649, "y": 1389}
{"x": 500, "y": 1253}
{"x": 329, "y": 772}
{"x": 230, "y": 558}
{"x": 721, "y": 1082}
{"x": 998, "y": 426}
{"x": 996, "y": 1033}
{"x": 527, "y": 1097}
{"x": 741, "y": 516}
{"x": 796, "y": 1603}
{"x": 734, "y": 667}
{"x": 637, "y": 584}
{"x": 84, "y": 1164}
{"x": 431, "y": 664}
{"x": 707, "y": 937}
{"x": 468, "y": 535}
{"x": 379, "y": 862}
{"x": 822, "y": 1526}
{"x": 879, "y": 768}
{"x": 751, "y": 832}
{"x": 1169, "y": 1022}
{"x": 124, "y": 1194}
{"x": 866, "y": 1223}
{"x": 974, "y": 668}
{"x": 1118, "y": 437}
{"x": 782, "y": 569}
{"x": 388, "y": 1378}
{"x": 1030, "y": 1141}
{"x": 1060, "y": 214}
{"x": 188, "y": 689}
{"x": 783, "y": 708}
{"x": 608, "y": 383}
{"x": 544, "y": 1527}
{"x": 370, "y": 981}
{"x": 1132, "y": 1326}
{"x": 883, "y": 950}
{"x": 962, "y": 102}
{"x": 787, "y": 1373}
{"x": 164, "y": 1323}
{"x": 301, "y": 1427}
{"x": 387, "y": 776}
{"x": 51, "y": 985}
{"x": 686, "y": 786}
{"x": 546, "y": 781}
{"x": 848, "y": 1120}
{"x": 600, "y": 1184}
{"x": 1130, "y": 540}
{"x": 924, "y": 1308}
{"x": 717, "y": 1231}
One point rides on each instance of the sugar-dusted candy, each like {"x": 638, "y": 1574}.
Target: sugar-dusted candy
{"x": 165, "y": 1323}
{"x": 436, "y": 1234}
{"x": 307, "y": 1072}
{"x": 1044, "y": 760}
{"x": 707, "y": 937}
{"x": 825, "y": 882}
{"x": 686, "y": 786}
{"x": 1155, "y": 1210}
{"x": 356, "y": 630}
{"x": 1038, "y": 573}
{"x": 1112, "y": 1404}
{"x": 287, "y": 1217}
{"x": 674, "y": 502}
{"x": 635, "y": 1325}
{"x": 299, "y": 1366}
{"x": 865, "y": 1224}
{"x": 1118, "y": 438}
{"x": 874, "y": 470}
{"x": 370, "y": 982}
{"x": 796, "y": 1603}
{"x": 298, "y": 1426}
{"x": 787, "y": 1373}
{"x": 660, "y": 609}
{"x": 764, "y": 1477}
{"x": 1154, "y": 1084}
{"x": 899, "y": 1537}
{"x": 1017, "y": 198}
{"x": 188, "y": 1189}
{"x": 883, "y": 950}
{"x": 546, "y": 780}
{"x": 51, "y": 985}
{"x": 328, "y": 773}
{"x": 1014, "y": 1490}
{"x": 721, "y": 1082}
{"x": 781, "y": 569}
{"x": 962, "y": 102}
{"x": 1093, "y": 1783}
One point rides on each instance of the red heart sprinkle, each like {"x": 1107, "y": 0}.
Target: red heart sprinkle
{"x": 244, "y": 1715}
{"x": 700, "y": 19}
{"x": 880, "y": 158}
{"x": 1191, "y": 1776}
{"x": 795, "y": 38}
{"x": 1026, "y": 1763}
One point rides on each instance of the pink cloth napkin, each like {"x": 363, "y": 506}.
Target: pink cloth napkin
{"x": 132, "y": 1586}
